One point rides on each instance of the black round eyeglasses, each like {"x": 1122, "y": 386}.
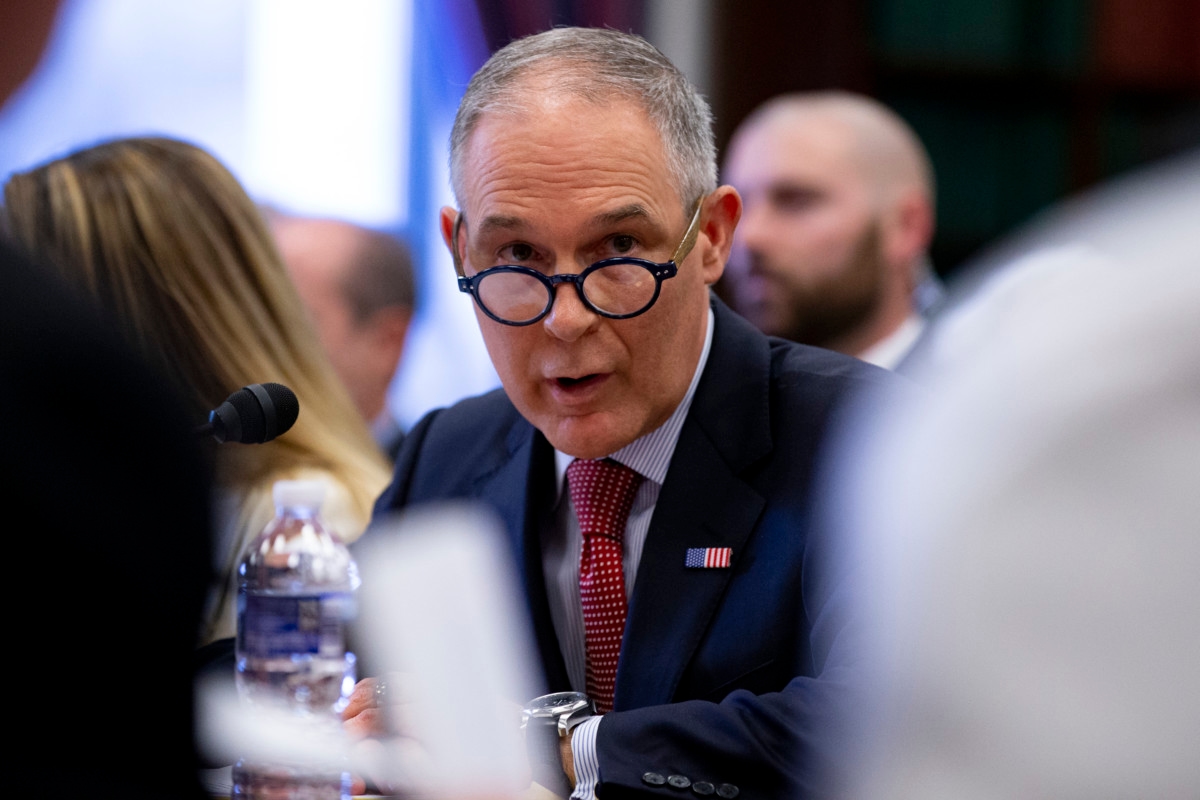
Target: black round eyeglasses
{"x": 617, "y": 288}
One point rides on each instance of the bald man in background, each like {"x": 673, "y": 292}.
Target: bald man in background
{"x": 357, "y": 284}
{"x": 838, "y": 215}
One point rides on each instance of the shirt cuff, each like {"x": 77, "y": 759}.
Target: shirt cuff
{"x": 587, "y": 762}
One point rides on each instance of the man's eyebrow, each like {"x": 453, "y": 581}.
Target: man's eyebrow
{"x": 497, "y": 222}
{"x": 794, "y": 186}
{"x": 617, "y": 215}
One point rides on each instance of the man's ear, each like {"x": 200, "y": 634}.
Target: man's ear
{"x": 722, "y": 210}
{"x": 446, "y": 219}
{"x": 908, "y": 231}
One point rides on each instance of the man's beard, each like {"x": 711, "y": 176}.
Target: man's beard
{"x": 824, "y": 313}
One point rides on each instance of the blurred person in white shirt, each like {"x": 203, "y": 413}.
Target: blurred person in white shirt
{"x": 1030, "y": 526}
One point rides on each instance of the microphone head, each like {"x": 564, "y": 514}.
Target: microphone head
{"x": 255, "y": 414}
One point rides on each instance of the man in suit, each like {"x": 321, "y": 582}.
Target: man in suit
{"x": 838, "y": 213}
{"x": 583, "y": 156}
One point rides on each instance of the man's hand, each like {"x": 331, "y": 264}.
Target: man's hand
{"x": 364, "y": 715}
{"x": 368, "y": 716}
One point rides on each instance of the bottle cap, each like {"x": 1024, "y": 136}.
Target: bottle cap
{"x": 298, "y": 494}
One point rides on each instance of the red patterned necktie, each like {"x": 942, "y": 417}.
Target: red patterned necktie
{"x": 602, "y": 493}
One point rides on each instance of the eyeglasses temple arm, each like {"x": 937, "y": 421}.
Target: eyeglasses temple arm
{"x": 689, "y": 237}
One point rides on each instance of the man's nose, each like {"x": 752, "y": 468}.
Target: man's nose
{"x": 569, "y": 318}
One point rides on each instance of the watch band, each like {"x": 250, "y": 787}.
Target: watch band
{"x": 545, "y": 761}
{"x": 546, "y": 721}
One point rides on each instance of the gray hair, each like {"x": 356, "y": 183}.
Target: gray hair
{"x": 594, "y": 64}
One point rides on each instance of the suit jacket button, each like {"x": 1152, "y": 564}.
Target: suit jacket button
{"x": 679, "y": 781}
{"x": 727, "y": 791}
{"x": 703, "y": 788}
{"x": 653, "y": 779}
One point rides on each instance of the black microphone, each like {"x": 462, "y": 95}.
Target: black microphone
{"x": 253, "y": 414}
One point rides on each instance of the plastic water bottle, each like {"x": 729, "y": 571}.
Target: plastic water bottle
{"x": 295, "y": 600}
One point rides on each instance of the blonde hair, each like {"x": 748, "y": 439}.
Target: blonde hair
{"x": 168, "y": 242}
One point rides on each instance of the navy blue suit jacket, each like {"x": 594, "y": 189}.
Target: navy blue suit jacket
{"x": 727, "y": 676}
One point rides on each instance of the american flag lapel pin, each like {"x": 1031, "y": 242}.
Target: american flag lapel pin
{"x": 708, "y": 557}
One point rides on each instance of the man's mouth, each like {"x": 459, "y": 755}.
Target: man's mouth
{"x": 571, "y": 383}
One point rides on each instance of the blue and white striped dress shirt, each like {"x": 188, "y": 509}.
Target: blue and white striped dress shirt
{"x": 650, "y": 456}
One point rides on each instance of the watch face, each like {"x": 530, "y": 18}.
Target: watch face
{"x": 565, "y": 700}
{"x": 550, "y": 706}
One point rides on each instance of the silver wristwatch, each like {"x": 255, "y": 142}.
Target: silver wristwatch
{"x": 563, "y": 710}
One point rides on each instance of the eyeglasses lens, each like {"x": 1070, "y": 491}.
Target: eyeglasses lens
{"x": 513, "y": 296}
{"x": 620, "y": 289}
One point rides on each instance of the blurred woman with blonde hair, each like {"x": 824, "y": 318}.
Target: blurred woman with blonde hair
{"x": 168, "y": 242}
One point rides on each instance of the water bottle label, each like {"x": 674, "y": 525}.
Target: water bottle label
{"x": 282, "y": 625}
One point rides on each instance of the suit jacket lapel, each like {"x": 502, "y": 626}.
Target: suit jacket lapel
{"x": 703, "y": 503}
{"x": 521, "y": 490}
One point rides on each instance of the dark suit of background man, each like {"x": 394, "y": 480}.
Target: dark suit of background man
{"x": 102, "y": 476}
{"x": 571, "y": 147}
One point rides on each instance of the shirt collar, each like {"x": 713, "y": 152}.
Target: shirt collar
{"x": 890, "y": 351}
{"x": 650, "y": 455}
